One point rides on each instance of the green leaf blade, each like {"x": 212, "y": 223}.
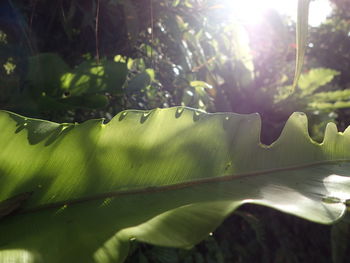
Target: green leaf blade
{"x": 155, "y": 176}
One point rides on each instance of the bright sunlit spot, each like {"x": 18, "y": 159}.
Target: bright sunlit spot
{"x": 252, "y": 12}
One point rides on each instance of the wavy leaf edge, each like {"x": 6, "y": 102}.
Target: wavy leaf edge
{"x": 296, "y": 128}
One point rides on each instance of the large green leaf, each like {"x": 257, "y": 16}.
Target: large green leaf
{"x": 81, "y": 192}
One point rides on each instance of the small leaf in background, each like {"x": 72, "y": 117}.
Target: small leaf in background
{"x": 329, "y": 106}
{"x": 201, "y": 84}
{"x": 44, "y": 73}
{"x": 315, "y": 78}
{"x": 332, "y": 96}
{"x": 140, "y": 81}
{"x": 9, "y": 66}
{"x": 306, "y": 95}
{"x": 120, "y": 58}
{"x": 75, "y": 84}
{"x": 88, "y": 77}
{"x": 151, "y": 74}
{"x": 130, "y": 63}
{"x": 175, "y": 3}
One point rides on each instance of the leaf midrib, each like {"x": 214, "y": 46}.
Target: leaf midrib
{"x": 164, "y": 188}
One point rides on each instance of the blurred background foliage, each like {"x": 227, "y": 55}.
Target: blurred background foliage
{"x": 73, "y": 60}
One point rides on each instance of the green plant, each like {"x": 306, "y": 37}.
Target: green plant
{"x": 166, "y": 176}
{"x": 171, "y": 53}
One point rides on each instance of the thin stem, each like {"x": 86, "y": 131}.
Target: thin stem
{"x": 96, "y": 32}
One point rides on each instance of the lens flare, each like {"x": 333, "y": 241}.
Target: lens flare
{"x": 252, "y": 12}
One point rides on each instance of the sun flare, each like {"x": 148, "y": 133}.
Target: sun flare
{"x": 252, "y": 11}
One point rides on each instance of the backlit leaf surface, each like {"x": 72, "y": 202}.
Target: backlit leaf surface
{"x": 165, "y": 176}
